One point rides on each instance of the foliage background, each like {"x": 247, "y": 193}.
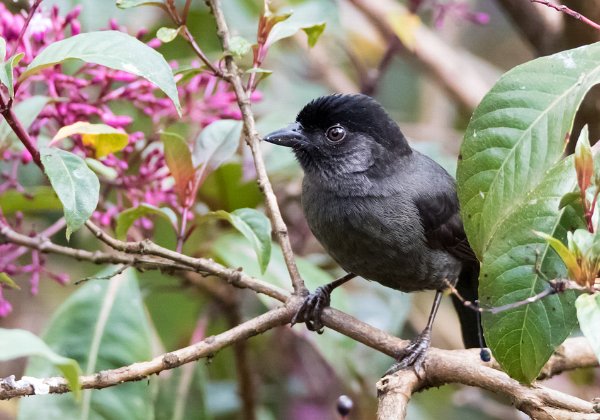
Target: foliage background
{"x": 298, "y": 375}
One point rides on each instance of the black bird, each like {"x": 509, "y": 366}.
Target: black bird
{"x": 382, "y": 210}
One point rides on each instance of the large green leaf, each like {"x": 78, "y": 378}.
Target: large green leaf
{"x": 103, "y": 326}
{"x": 523, "y": 339}
{"x": 588, "y": 313}
{"x": 516, "y": 134}
{"x": 113, "y": 49}
{"x": 21, "y": 343}
{"x": 75, "y": 184}
{"x": 255, "y": 226}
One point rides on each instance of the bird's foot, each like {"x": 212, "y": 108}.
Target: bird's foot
{"x": 312, "y": 308}
{"x": 413, "y": 355}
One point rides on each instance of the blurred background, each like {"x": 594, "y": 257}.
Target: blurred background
{"x": 429, "y": 69}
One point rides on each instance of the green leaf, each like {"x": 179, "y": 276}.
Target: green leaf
{"x": 588, "y": 314}
{"x": 103, "y": 138}
{"x": 217, "y": 143}
{"x": 126, "y": 218}
{"x": 75, "y": 184}
{"x": 126, "y": 4}
{"x": 569, "y": 198}
{"x": 239, "y": 47}
{"x": 7, "y": 281}
{"x": 179, "y": 161}
{"x": 6, "y": 72}
{"x": 524, "y": 338}
{"x": 262, "y": 73}
{"x": 20, "y": 343}
{"x": 516, "y": 134}
{"x": 112, "y": 49}
{"x": 38, "y": 199}
{"x": 103, "y": 325}
{"x": 255, "y": 226}
{"x": 226, "y": 189}
{"x": 167, "y": 35}
{"x": 26, "y": 111}
{"x": 101, "y": 169}
{"x": 314, "y": 32}
{"x": 304, "y": 18}
{"x": 187, "y": 72}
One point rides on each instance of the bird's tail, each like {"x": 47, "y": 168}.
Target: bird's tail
{"x": 470, "y": 322}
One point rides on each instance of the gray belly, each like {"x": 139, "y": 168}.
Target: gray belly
{"x": 376, "y": 238}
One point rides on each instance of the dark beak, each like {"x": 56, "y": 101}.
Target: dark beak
{"x": 291, "y": 136}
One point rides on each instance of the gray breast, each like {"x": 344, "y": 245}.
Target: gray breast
{"x": 379, "y": 238}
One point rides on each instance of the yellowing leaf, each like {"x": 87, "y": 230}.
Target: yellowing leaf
{"x": 564, "y": 253}
{"x": 103, "y": 138}
{"x": 405, "y": 26}
{"x": 584, "y": 163}
{"x": 167, "y": 34}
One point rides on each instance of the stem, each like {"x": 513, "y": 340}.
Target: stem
{"x": 181, "y": 235}
{"x": 34, "y": 6}
{"x": 570, "y": 12}
{"x": 186, "y": 11}
{"x": 21, "y": 133}
{"x": 192, "y": 41}
{"x": 172, "y": 11}
{"x": 253, "y": 140}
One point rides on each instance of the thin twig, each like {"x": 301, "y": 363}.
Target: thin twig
{"x": 236, "y": 277}
{"x": 253, "y": 140}
{"x": 172, "y": 262}
{"x": 568, "y": 11}
{"x": 107, "y": 277}
{"x": 30, "y": 14}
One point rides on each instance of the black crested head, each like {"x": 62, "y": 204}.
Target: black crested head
{"x": 343, "y": 135}
{"x": 360, "y": 113}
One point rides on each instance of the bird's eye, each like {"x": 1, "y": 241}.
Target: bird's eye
{"x": 336, "y": 133}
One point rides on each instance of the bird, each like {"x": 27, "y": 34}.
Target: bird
{"x": 382, "y": 211}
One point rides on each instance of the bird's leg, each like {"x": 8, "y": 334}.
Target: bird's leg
{"x": 312, "y": 307}
{"x": 414, "y": 354}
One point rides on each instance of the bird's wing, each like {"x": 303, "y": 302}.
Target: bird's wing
{"x": 442, "y": 224}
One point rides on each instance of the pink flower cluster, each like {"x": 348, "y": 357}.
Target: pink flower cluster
{"x": 98, "y": 94}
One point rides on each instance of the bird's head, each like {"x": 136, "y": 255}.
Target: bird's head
{"x": 341, "y": 135}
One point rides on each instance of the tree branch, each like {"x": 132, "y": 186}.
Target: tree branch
{"x": 253, "y": 141}
{"x": 9, "y": 388}
{"x": 440, "y": 367}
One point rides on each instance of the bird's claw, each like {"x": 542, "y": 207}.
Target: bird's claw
{"x": 312, "y": 308}
{"x": 413, "y": 355}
